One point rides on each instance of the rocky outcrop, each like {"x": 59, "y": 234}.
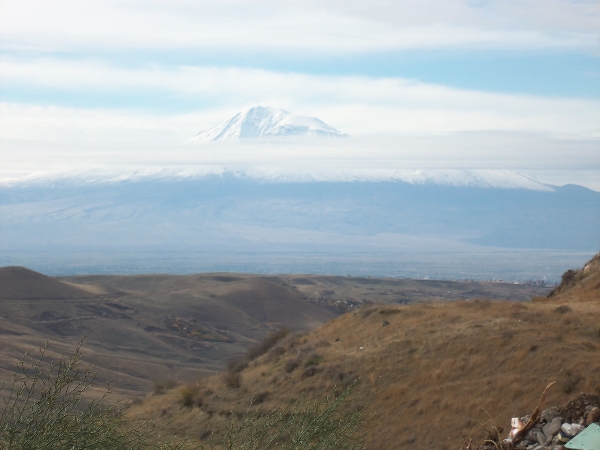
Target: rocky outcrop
{"x": 581, "y": 284}
{"x": 553, "y": 428}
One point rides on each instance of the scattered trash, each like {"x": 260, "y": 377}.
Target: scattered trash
{"x": 516, "y": 426}
{"x": 533, "y": 419}
{"x": 570, "y": 430}
{"x": 588, "y": 439}
{"x": 574, "y": 426}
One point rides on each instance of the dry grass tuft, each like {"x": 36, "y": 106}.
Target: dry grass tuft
{"x": 563, "y": 309}
{"x": 265, "y": 344}
{"x": 232, "y": 380}
{"x": 160, "y": 387}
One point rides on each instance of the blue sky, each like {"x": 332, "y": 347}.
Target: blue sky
{"x": 130, "y": 73}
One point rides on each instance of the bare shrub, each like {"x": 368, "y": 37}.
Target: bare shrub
{"x": 323, "y": 343}
{"x": 311, "y": 371}
{"x": 563, "y": 309}
{"x": 389, "y": 311}
{"x": 341, "y": 378}
{"x": 568, "y": 277}
{"x": 313, "y": 360}
{"x": 232, "y": 379}
{"x": 291, "y": 365}
{"x": 160, "y": 387}
{"x": 261, "y": 397}
{"x": 188, "y": 395}
{"x": 268, "y": 342}
{"x": 237, "y": 364}
{"x": 45, "y": 409}
{"x": 310, "y": 425}
{"x": 275, "y": 353}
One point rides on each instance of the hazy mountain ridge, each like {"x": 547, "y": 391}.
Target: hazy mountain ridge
{"x": 330, "y": 215}
{"x": 266, "y": 121}
{"x": 477, "y": 178}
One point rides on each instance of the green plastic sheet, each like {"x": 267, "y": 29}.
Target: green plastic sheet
{"x": 588, "y": 439}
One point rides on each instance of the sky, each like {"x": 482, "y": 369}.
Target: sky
{"x": 125, "y": 84}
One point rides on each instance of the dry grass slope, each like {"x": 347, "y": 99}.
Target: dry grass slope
{"x": 579, "y": 285}
{"x": 436, "y": 371}
{"x": 143, "y": 329}
{"x": 151, "y": 328}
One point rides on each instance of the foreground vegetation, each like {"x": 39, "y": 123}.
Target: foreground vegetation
{"x": 46, "y": 408}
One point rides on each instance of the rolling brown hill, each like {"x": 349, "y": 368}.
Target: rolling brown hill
{"x": 19, "y": 283}
{"x": 145, "y": 328}
{"x": 437, "y": 372}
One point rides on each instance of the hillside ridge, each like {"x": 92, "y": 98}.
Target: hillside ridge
{"x": 579, "y": 285}
{"x": 20, "y": 283}
{"x": 437, "y": 371}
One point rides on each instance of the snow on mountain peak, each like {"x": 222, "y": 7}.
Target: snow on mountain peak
{"x": 266, "y": 121}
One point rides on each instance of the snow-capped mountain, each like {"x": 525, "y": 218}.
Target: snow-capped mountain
{"x": 266, "y": 121}
{"x": 473, "y": 178}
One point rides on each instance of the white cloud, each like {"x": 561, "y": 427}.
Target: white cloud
{"x": 40, "y": 142}
{"x": 307, "y": 26}
{"x": 355, "y": 105}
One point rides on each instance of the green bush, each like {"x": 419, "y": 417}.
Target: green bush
{"x": 161, "y": 387}
{"x": 188, "y": 395}
{"x": 313, "y": 360}
{"x": 329, "y": 424}
{"x": 45, "y": 409}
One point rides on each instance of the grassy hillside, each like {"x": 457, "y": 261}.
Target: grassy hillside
{"x": 143, "y": 329}
{"x": 436, "y": 371}
{"x": 579, "y": 285}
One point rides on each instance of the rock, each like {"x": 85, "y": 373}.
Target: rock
{"x": 593, "y": 416}
{"x": 577, "y": 428}
{"x": 549, "y": 414}
{"x": 531, "y": 436}
{"x": 571, "y": 429}
{"x": 552, "y": 428}
{"x": 385, "y": 323}
{"x": 541, "y": 437}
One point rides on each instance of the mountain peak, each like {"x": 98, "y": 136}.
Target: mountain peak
{"x": 266, "y": 121}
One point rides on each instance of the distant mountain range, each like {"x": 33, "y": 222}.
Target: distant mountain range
{"x": 266, "y": 121}
{"x": 225, "y": 213}
{"x": 472, "y": 178}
